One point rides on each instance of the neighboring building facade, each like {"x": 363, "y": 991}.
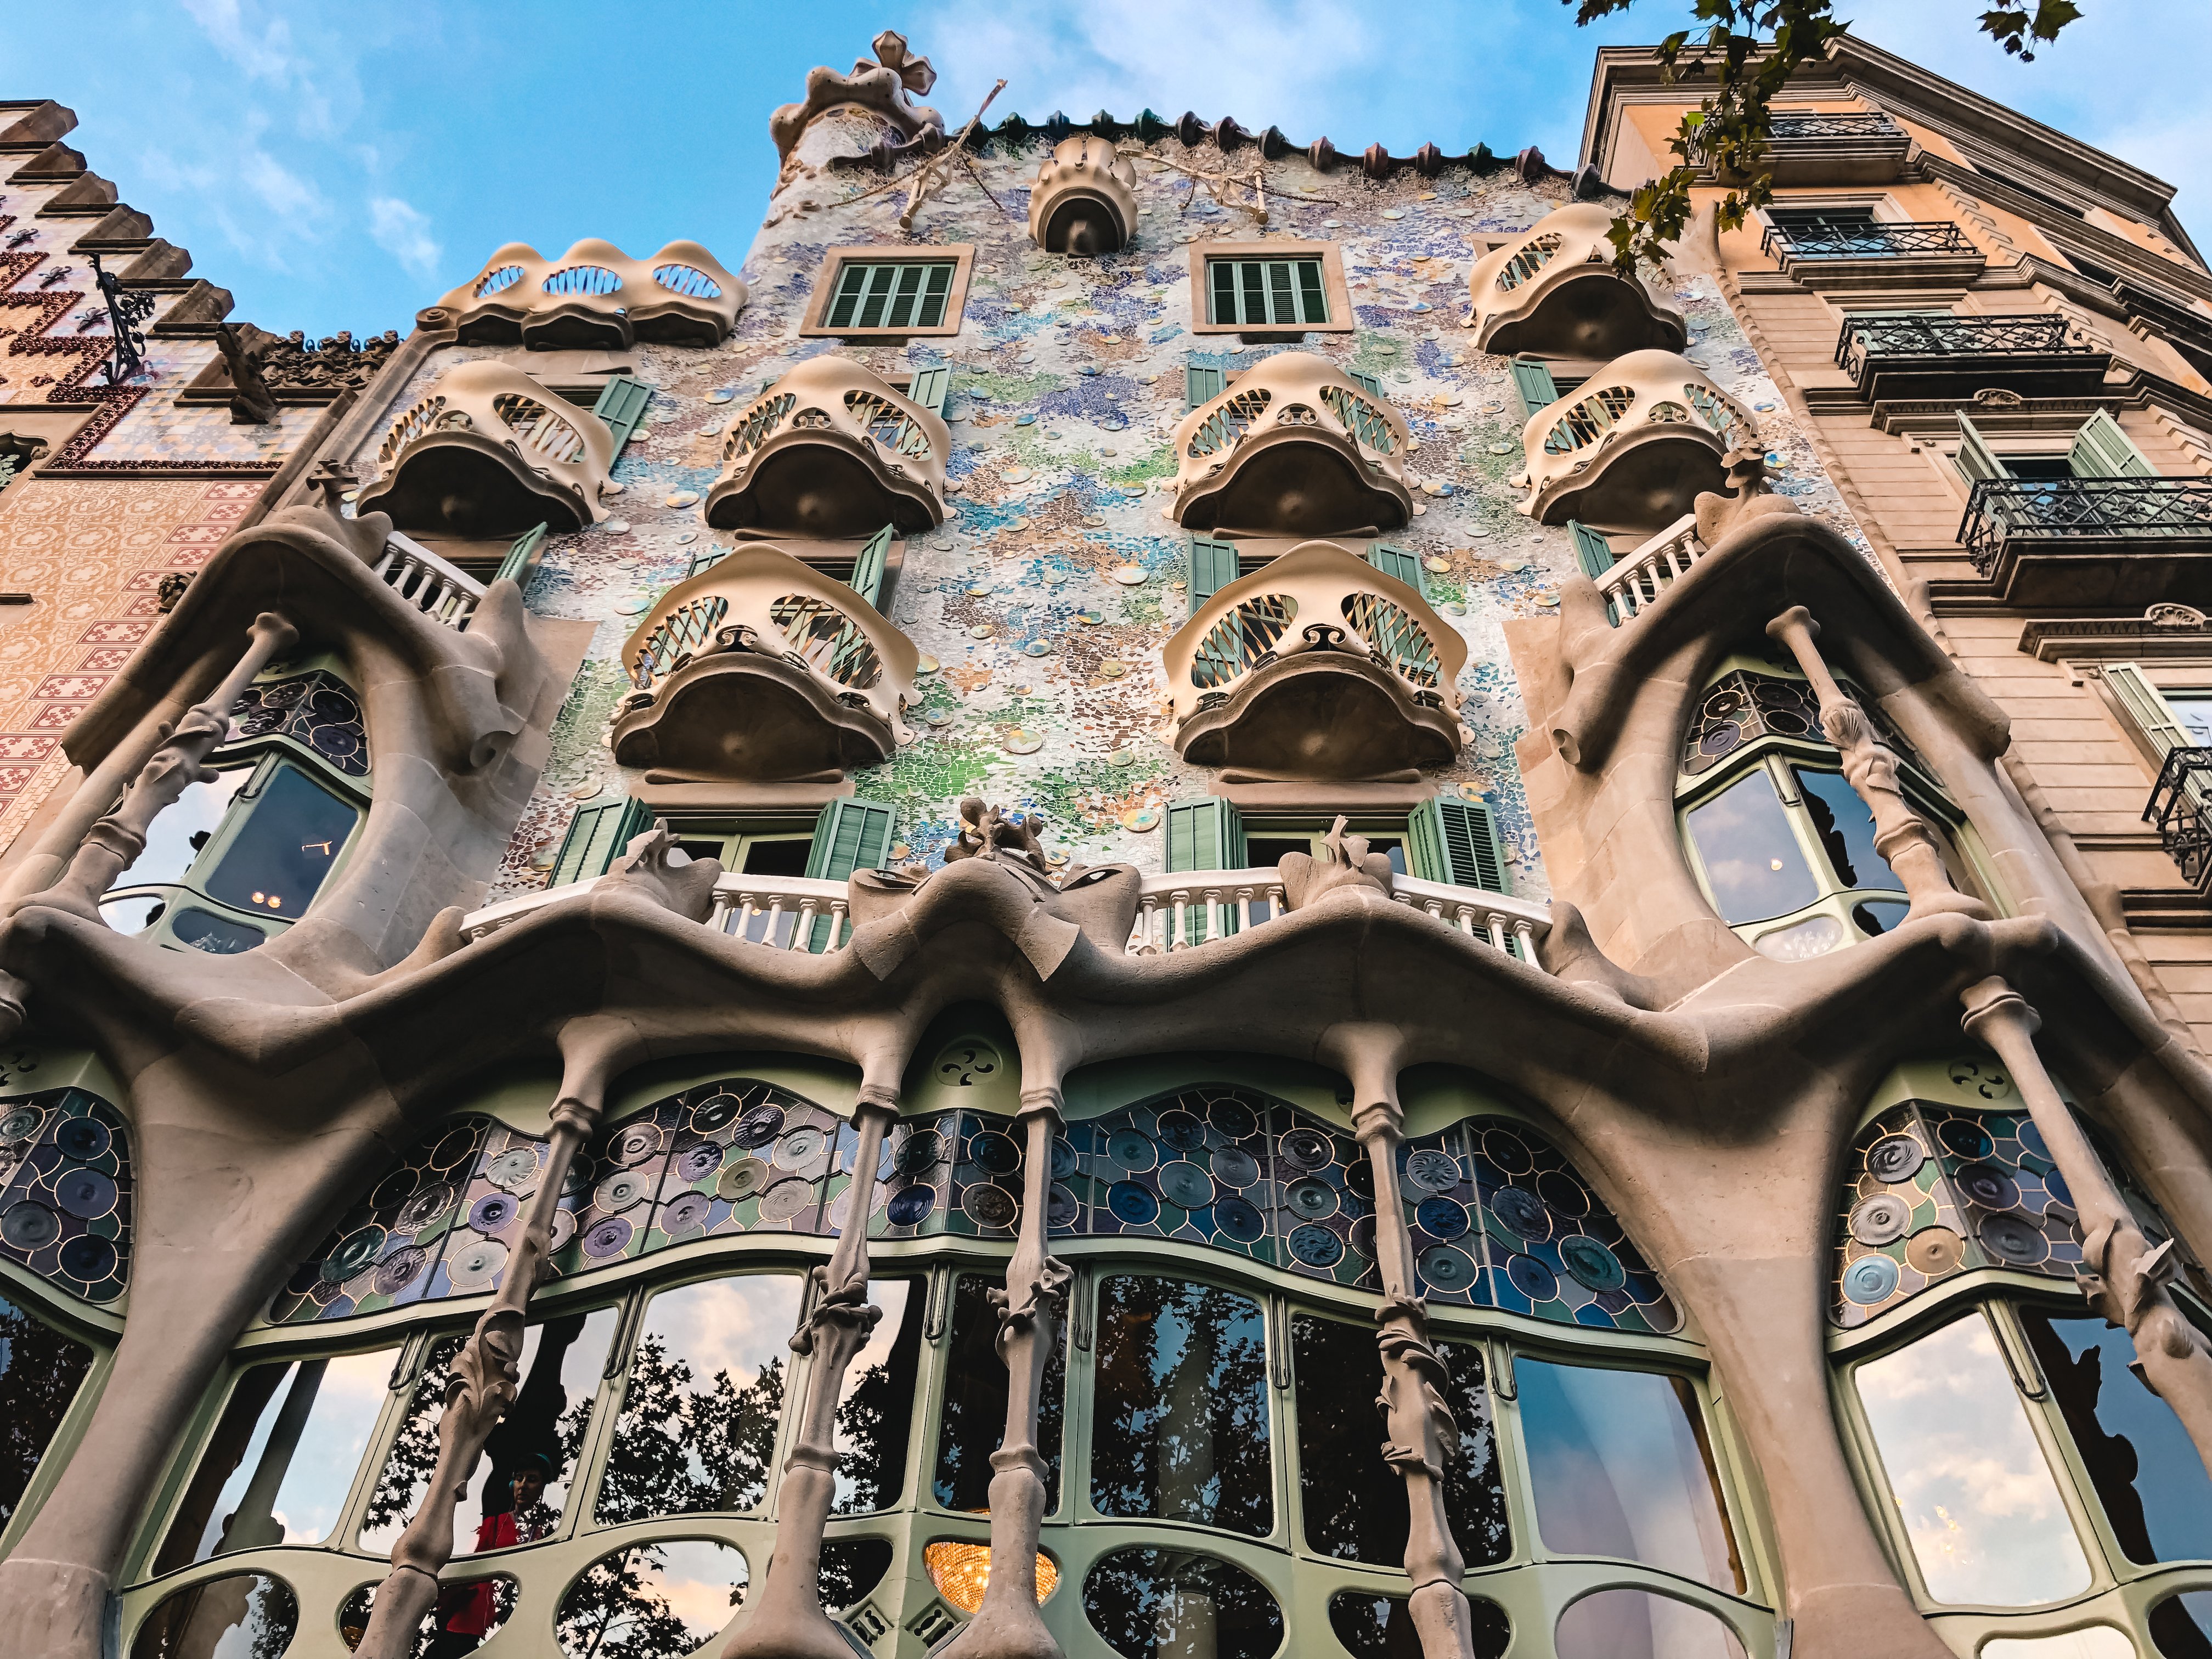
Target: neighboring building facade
{"x": 1429, "y": 1112}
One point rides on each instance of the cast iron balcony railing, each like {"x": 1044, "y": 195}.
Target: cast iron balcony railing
{"x": 1933, "y": 355}
{"x": 1877, "y": 240}
{"x": 2007, "y": 515}
{"x": 2181, "y": 807}
{"x": 1836, "y": 124}
{"x": 2041, "y": 334}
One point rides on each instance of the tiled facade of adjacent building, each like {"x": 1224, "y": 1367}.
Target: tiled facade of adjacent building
{"x": 1504, "y": 782}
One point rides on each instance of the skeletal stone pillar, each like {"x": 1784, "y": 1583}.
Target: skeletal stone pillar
{"x": 1901, "y": 835}
{"x": 486, "y": 1376}
{"x": 788, "y": 1621}
{"x": 1031, "y": 1311}
{"x": 1421, "y": 1436}
{"x": 2123, "y": 1276}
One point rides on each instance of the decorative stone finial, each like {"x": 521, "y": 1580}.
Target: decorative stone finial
{"x": 883, "y": 86}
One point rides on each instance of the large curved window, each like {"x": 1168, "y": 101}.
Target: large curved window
{"x": 974, "y": 1418}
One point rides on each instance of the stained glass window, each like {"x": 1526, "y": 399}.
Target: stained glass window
{"x": 66, "y": 1192}
{"x": 317, "y": 710}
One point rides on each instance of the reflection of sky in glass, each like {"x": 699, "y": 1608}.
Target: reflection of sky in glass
{"x": 1848, "y": 832}
{"x": 2097, "y": 1642}
{"x": 1979, "y": 1500}
{"x": 169, "y": 850}
{"x": 1632, "y": 1624}
{"x": 1617, "y": 1470}
{"x": 286, "y": 847}
{"x": 341, "y": 1398}
{"x": 696, "y": 1577}
{"x": 734, "y": 1325}
{"x": 1752, "y": 860}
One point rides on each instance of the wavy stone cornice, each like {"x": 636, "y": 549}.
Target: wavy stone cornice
{"x": 594, "y": 298}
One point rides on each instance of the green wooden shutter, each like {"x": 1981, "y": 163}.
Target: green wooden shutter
{"x": 1456, "y": 842}
{"x": 929, "y": 387}
{"x": 2149, "y": 711}
{"x": 1533, "y": 380}
{"x": 622, "y": 406}
{"x": 1212, "y": 567}
{"x": 868, "y": 566}
{"x": 1399, "y": 562}
{"x": 1208, "y": 834}
{"x": 596, "y": 835}
{"x": 2101, "y": 450}
{"x": 1975, "y": 458}
{"x": 522, "y": 555}
{"x": 1202, "y": 385}
{"x": 850, "y": 834}
{"x": 1592, "y": 548}
{"x": 1367, "y": 383}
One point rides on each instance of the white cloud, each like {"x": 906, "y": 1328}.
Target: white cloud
{"x": 404, "y": 233}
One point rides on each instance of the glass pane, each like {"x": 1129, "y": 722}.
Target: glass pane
{"x": 1619, "y": 1465}
{"x": 292, "y": 837}
{"x": 172, "y": 842}
{"x": 652, "y": 1600}
{"x": 706, "y": 1388}
{"x": 1633, "y": 1624}
{"x": 1313, "y": 295}
{"x": 1382, "y": 1627}
{"x": 1474, "y": 1491}
{"x": 1253, "y": 309}
{"x": 975, "y": 1416}
{"x": 471, "y": 1609}
{"x": 1845, "y": 827}
{"x": 1978, "y": 1501}
{"x": 282, "y": 1457}
{"x": 1224, "y": 291}
{"x": 850, "y": 1567}
{"x": 1180, "y": 1429}
{"x": 875, "y": 1412}
{"x": 2181, "y": 1626}
{"x": 40, "y": 1371}
{"x": 1282, "y": 303}
{"x": 2192, "y": 708}
{"x": 1353, "y": 1502}
{"x": 2147, "y": 1474}
{"x": 1170, "y": 1604}
{"x": 528, "y": 1462}
{"x": 851, "y": 280}
{"x": 1751, "y": 859}
{"x": 248, "y": 1615}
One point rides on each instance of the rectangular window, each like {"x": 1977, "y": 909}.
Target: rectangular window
{"x": 1830, "y": 230}
{"x": 1266, "y": 293}
{"x": 891, "y": 292}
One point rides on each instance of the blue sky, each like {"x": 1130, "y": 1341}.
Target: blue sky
{"x": 342, "y": 167}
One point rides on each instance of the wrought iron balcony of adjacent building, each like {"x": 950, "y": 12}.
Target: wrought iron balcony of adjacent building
{"x": 1827, "y": 147}
{"x": 1853, "y": 251}
{"x": 1552, "y": 291}
{"x": 1316, "y": 666}
{"x": 1631, "y": 448}
{"x": 2038, "y": 354}
{"x": 2124, "y": 543}
{"x": 2180, "y": 808}
{"x": 831, "y": 451}
{"x": 760, "y": 680}
{"x": 1295, "y": 448}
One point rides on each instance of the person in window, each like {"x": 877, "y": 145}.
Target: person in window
{"x": 466, "y": 1613}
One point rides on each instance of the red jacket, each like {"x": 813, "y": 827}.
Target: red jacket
{"x": 470, "y": 1609}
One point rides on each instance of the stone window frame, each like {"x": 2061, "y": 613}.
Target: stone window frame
{"x": 962, "y": 255}
{"x": 1334, "y": 286}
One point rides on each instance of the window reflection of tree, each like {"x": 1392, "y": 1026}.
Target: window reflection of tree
{"x": 40, "y": 1370}
{"x": 1182, "y": 1417}
{"x": 973, "y": 1419}
{"x": 876, "y": 1414}
{"x": 618, "y": 1610}
{"x": 1173, "y": 1604}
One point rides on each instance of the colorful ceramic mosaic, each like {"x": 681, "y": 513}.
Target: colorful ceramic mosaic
{"x": 65, "y": 1192}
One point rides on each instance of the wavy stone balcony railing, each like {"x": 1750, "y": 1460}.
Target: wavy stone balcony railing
{"x": 763, "y": 670}
{"x": 1179, "y": 911}
{"x": 1295, "y": 448}
{"x": 2039, "y": 354}
{"x": 1554, "y": 292}
{"x": 490, "y": 452}
{"x": 832, "y": 451}
{"x": 2124, "y": 541}
{"x": 596, "y": 297}
{"x": 1084, "y": 200}
{"x": 1631, "y": 448}
{"x": 1316, "y": 666}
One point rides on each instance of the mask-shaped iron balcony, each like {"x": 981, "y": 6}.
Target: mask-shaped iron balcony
{"x": 1632, "y": 447}
{"x": 831, "y": 451}
{"x": 1554, "y": 292}
{"x": 1316, "y": 666}
{"x": 597, "y": 298}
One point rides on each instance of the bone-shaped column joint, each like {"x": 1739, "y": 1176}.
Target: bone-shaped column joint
{"x": 487, "y": 1374}
{"x": 1032, "y": 1310}
{"x": 1420, "y": 1435}
{"x": 1901, "y": 835}
{"x": 788, "y": 1621}
{"x": 2124, "y": 1277}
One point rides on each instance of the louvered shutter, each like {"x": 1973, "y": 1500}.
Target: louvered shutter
{"x": 2160, "y": 726}
{"x": 851, "y": 833}
{"x": 1202, "y": 385}
{"x": 2101, "y": 450}
{"x": 1976, "y": 460}
{"x": 596, "y": 835}
{"x": 1205, "y": 834}
{"x": 622, "y": 406}
{"x": 929, "y": 388}
{"x": 1592, "y": 549}
{"x": 868, "y": 566}
{"x": 1368, "y": 384}
{"x": 1212, "y": 567}
{"x": 1456, "y": 842}
{"x": 522, "y": 556}
{"x": 1398, "y": 562}
{"x": 1533, "y": 380}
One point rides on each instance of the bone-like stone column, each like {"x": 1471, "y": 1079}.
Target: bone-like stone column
{"x": 788, "y": 1621}
{"x": 1422, "y": 1437}
{"x": 2124, "y": 1277}
{"x": 1031, "y": 1311}
{"x": 1900, "y": 835}
{"x": 114, "y": 842}
{"x": 487, "y": 1373}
